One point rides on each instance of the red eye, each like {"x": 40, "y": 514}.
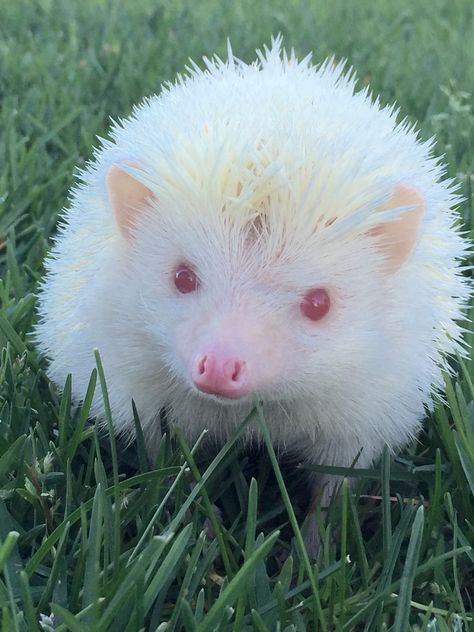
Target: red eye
{"x": 185, "y": 280}
{"x": 315, "y": 305}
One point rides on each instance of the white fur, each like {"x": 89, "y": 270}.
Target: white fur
{"x": 266, "y": 178}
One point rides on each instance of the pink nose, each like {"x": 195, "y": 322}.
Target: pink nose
{"x": 220, "y": 376}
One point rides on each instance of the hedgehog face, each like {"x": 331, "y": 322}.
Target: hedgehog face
{"x": 233, "y": 314}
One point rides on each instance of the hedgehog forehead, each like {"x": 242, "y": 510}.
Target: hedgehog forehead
{"x": 287, "y": 201}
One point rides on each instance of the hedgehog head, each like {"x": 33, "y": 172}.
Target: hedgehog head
{"x": 267, "y": 287}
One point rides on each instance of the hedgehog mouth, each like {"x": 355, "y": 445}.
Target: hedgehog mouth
{"x": 222, "y": 399}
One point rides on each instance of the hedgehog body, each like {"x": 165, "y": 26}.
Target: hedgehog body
{"x": 261, "y": 231}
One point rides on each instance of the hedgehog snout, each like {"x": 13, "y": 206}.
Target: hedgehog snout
{"x": 221, "y": 373}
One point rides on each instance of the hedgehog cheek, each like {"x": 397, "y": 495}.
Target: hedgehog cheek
{"x": 398, "y": 237}
{"x": 127, "y": 195}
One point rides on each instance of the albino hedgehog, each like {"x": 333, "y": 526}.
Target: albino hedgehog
{"x": 261, "y": 231}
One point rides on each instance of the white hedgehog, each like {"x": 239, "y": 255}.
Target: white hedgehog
{"x": 265, "y": 231}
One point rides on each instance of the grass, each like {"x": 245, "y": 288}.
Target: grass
{"x": 92, "y": 537}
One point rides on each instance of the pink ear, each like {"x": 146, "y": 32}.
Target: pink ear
{"x": 398, "y": 236}
{"x": 127, "y": 196}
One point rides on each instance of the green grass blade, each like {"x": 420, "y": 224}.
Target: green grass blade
{"x": 65, "y": 414}
{"x": 77, "y": 434}
{"x": 7, "y": 546}
{"x": 294, "y": 523}
{"x": 402, "y": 613}
{"x": 167, "y": 566}
{"x": 113, "y": 450}
{"x": 92, "y": 569}
{"x": 28, "y": 605}
{"x": 58, "y": 561}
{"x": 211, "y": 514}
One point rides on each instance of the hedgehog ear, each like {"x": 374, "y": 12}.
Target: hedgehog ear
{"x": 397, "y": 237}
{"x": 127, "y": 196}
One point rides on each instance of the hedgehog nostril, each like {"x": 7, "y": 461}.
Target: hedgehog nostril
{"x": 202, "y": 365}
{"x": 235, "y": 374}
{"x": 237, "y": 371}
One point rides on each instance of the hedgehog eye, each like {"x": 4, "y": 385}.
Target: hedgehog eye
{"x": 315, "y": 304}
{"x": 185, "y": 279}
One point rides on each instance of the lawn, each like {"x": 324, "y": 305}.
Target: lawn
{"x": 93, "y": 537}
